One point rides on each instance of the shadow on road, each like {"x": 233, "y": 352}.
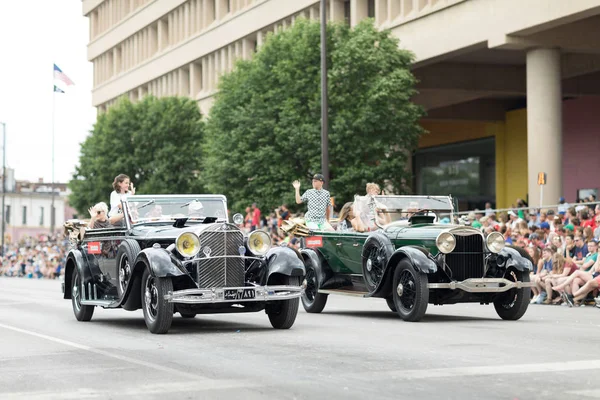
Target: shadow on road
{"x": 200, "y": 324}
{"x": 388, "y": 315}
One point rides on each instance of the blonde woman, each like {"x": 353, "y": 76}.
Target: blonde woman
{"x": 561, "y": 269}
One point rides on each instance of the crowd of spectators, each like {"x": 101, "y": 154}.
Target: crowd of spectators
{"x": 34, "y": 258}
{"x": 562, "y": 242}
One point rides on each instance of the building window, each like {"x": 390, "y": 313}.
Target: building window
{"x": 41, "y": 216}
{"x": 24, "y": 215}
{"x": 7, "y": 214}
{"x": 371, "y": 9}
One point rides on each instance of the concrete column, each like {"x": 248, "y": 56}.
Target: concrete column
{"x": 381, "y": 11}
{"x": 393, "y": 9}
{"x": 246, "y": 49}
{"x": 195, "y": 79}
{"x": 230, "y": 59}
{"x": 208, "y": 12}
{"x": 205, "y": 74}
{"x": 186, "y": 18}
{"x": 336, "y": 10}
{"x": 260, "y": 37}
{"x": 221, "y": 9}
{"x": 210, "y": 73}
{"x": 359, "y": 10}
{"x": 544, "y": 124}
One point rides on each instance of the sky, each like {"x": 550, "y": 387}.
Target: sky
{"x": 34, "y": 35}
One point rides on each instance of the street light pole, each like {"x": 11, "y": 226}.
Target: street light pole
{"x": 324, "y": 123}
{"x": 3, "y": 182}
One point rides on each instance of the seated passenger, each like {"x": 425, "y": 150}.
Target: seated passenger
{"x": 348, "y": 221}
{"x": 99, "y": 220}
{"x": 377, "y": 207}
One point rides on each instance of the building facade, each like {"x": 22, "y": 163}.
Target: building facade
{"x": 508, "y": 85}
{"x": 28, "y": 208}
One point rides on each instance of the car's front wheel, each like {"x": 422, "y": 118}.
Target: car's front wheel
{"x": 158, "y": 313}
{"x": 82, "y": 312}
{"x": 410, "y": 292}
{"x": 512, "y": 304}
{"x": 282, "y": 313}
{"x": 312, "y": 300}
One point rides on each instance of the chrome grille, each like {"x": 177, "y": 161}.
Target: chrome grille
{"x": 466, "y": 261}
{"x": 223, "y": 240}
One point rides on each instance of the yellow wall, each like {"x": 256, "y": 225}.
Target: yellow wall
{"x": 511, "y": 159}
{"x": 511, "y": 149}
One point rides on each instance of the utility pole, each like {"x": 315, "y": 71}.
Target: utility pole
{"x": 324, "y": 122}
{"x": 3, "y": 182}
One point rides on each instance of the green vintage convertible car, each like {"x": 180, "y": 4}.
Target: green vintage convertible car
{"x": 410, "y": 259}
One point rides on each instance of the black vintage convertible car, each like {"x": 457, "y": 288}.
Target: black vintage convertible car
{"x": 179, "y": 253}
{"x": 410, "y": 259}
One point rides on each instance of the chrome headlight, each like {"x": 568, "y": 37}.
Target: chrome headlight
{"x": 259, "y": 242}
{"x": 495, "y": 242}
{"x": 445, "y": 242}
{"x": 188, "y": 244}
{"x": 238, "y": 219}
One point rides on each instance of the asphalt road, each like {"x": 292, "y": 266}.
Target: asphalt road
{"x": 355, "y": 349}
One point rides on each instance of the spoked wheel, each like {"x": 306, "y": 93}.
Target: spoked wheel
{"x": 373, "y": 266}
{"x": 158, "y": 313}
{"x": 128, "y": 251}
{"x": 410, "y": 292}
{"x": 82, "y": 312}
{"x": 512, "y": 304}
{"x": 312, "y": 300}
{"x": 124, "y": 273}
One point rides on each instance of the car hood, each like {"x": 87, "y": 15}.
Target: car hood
{"x": 161, "y": 232}
{"x": 427, "y": 231}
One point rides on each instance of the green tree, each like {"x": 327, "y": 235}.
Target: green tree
{"x": 264, "y": 127}
{"x": 157, "y": 142}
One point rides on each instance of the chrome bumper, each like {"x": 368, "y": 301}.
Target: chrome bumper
{"x": 224, "y": 295}
{"x": 482, "y": 285}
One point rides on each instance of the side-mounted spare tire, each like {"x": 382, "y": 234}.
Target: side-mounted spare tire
{"x": 376, "y": 253}
{"x": 128, "y": 251}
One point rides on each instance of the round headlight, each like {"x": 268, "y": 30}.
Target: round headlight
{"x": 445, "y": 242}
{"x": 495, "y": 242}
{"x": 259, "y": 243}
{"x": 238, "y": 219}
{"x": 188, "y": 244}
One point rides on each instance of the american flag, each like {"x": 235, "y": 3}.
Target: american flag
{"x": 58, "y": 74}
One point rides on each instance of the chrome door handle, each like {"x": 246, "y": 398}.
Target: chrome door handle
{"x": 356, "y": 244}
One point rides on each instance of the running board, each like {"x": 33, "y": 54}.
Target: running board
{"x": 344, "y": 292}
{"x": 89, "y": 297}
{"x": 103, "y": 303}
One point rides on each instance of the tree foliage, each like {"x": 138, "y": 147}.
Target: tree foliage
{"x": 157, "y": 142}
{"x": 264, "y": 127}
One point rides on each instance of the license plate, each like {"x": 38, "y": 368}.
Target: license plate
{"x": 240, "y": 294}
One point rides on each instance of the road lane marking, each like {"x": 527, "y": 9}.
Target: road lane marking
{"x": 135, "y": 391}
{"x": 408, "y": 374}
{"x": 146, "y": 364}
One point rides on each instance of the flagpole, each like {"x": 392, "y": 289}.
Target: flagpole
{"x": 52, "y": 212}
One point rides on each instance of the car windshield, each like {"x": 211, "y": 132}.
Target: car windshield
{"x": 168, "y": 208}
{"x": 390, "y": 209}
